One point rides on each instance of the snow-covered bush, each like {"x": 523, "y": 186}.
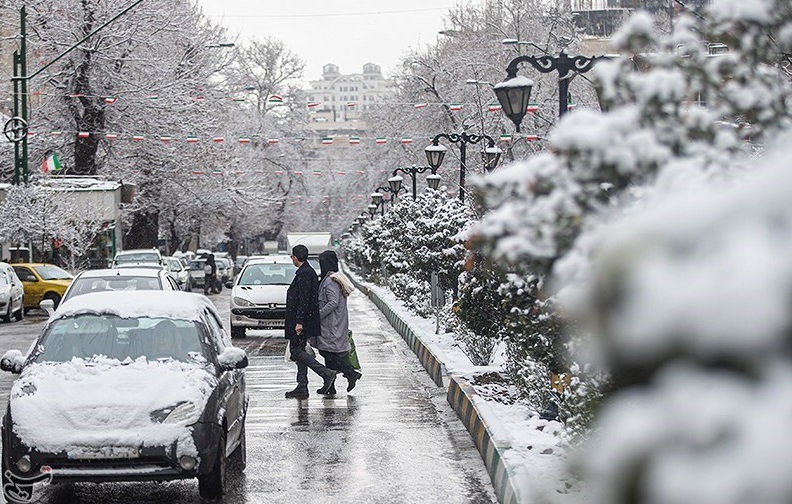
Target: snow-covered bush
{"x": 661, "y": 230}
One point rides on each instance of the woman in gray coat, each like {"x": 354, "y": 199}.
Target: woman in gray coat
{"x": 333, "y": 342}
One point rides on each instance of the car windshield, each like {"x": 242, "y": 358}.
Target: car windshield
{"x": 86, "y": 285}
{"x": 90, "y": 335}
{"x": 175, "y": 265}
{"x": 197, "y": 265}
{"x": 50, "y": 272}
{"x": 138, "y": 257}
{"x": 240, "y": 260}
{"x": 267, "y": 274}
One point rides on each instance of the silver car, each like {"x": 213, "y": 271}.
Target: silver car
{"x": 12, "y": 294}
{"x": 258, "y": 297}
{"x": 179, "y": 271}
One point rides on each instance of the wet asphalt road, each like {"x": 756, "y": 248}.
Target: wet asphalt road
{"x": 394, "y": 439}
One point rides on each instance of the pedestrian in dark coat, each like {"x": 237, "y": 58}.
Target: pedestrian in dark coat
{"x": 333, "y": 342}
{"x": 302, "y": 323}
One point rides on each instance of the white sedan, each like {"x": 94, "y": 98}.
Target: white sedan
{"x": 258, "y": 297}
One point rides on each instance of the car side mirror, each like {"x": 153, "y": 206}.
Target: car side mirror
{"x": 233, "y": 358}
{"x": 12, "y": 361}
{"x": 229, "y": 285}
{"x": 48, "y": 306}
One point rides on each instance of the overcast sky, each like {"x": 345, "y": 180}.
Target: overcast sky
{"x": 348, "y": 33}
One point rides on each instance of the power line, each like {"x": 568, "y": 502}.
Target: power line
{"x": 330, "y": 14}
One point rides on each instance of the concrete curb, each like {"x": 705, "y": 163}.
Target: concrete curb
{"x": 460, "y": 396}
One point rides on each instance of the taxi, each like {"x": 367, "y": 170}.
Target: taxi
{"x": 42, "y": 281}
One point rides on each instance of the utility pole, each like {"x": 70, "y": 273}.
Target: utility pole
{"x": 21, "y": 79}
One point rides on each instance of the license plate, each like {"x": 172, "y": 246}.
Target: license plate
{"x": 271, "y": 323}
{"x": 105, "y": 452}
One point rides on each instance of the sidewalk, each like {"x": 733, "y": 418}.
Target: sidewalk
{"x": 524, "y": 455}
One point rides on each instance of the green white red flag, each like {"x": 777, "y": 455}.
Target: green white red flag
{"x": 51, "y": 163}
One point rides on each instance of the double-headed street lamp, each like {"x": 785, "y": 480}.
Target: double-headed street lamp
{"x": 433, "y": 180}
{"x": 436, "y": 152}
{"x": 394, "y": 188}
{"x": 514, "y": 93}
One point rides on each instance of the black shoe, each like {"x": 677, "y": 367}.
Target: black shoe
{"x": 352, "y": 379}
{"x": 300, "y": 392}
{"x": 329, "y": 383}
{"x": 330, "y": 391}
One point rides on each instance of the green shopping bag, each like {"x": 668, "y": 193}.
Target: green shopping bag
{"x": 351, "y": 357}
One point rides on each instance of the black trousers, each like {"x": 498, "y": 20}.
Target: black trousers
{"x": 304, "y": 360}
{"x": 335, "y": 361}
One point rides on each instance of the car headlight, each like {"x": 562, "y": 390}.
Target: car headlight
{"x": 184, "y": 412}
{"x": 242, "y": 302}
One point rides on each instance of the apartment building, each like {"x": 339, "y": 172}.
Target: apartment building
{"x": 336, "y": 102}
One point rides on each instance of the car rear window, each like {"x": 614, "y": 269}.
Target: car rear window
{"x": 137, "y": 257}
{"x": 86, "y": 285}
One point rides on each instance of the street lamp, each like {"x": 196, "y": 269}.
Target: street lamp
{"x": 395, "y": 187}
{"x": 412, "y": 172}
{"x": 436, "y": 152}
{"x": 514, "y": 93}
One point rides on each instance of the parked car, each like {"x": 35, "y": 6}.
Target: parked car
{"x": 124, "y": 387}
{"x": 42, "y": 281}
{"x": 225, "y": 269}
{"x": 179, "y": 272}
{"x": 138, "y": 256}
{"x": 197, "y": 274}
{"x": 120, "y": 279}
{"x": 240, "y": 261}
{"x": 12, "y": 294}
{"x": 258, "y": 297}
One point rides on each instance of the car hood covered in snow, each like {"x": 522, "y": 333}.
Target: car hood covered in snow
{"x": 66, "y": 406}
{"x": 262, "y": 294}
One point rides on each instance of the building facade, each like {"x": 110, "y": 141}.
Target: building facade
{"x": 336, "y": 102}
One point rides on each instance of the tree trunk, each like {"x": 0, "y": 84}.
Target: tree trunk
{"x": 144, "y": 230}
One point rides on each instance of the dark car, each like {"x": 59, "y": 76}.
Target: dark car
{"x": 126, "y": 386}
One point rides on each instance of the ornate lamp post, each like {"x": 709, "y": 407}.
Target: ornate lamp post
{"x": 412, "y": 171}
{"x": 514, "y": 93}
{"x": 394, "y": 188}
{"x": 436, "y": 152}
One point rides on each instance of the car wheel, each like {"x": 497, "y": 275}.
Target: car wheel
{"x": 54, "y": 297}
{"x": 7, "y": 316}
{"x": 210, "y": 485}
{"x": 237, "y": 332}
{"x": 20, "y": 314}
{"x": 189, "y": 286}
{"x": 238, "y": 459}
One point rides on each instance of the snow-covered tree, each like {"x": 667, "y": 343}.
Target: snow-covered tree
{"x": 657, "y": 227}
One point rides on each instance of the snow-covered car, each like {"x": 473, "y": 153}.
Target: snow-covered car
{"x": 258, "y": 297}
{"x": 138, "y": 256}
{"x": 127, "y": 386}
{"x": 120, "y": 279}
{"x": 12, "y": 294}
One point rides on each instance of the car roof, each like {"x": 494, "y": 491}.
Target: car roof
{"x": 269, "y": 259}
{"x": 122, "y": 272}
{"x": 129, "y": 304}
{"x": 138, "y": 251}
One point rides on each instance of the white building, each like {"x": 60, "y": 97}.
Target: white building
{"x": 103, "y": 197}
{"x": 336, "y": 102}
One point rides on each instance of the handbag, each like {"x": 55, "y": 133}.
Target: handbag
{"x": 351, "y": 357}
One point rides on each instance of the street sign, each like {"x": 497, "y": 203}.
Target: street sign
{"x": 15, "y": 129}
{"x": 438, "y": 295}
